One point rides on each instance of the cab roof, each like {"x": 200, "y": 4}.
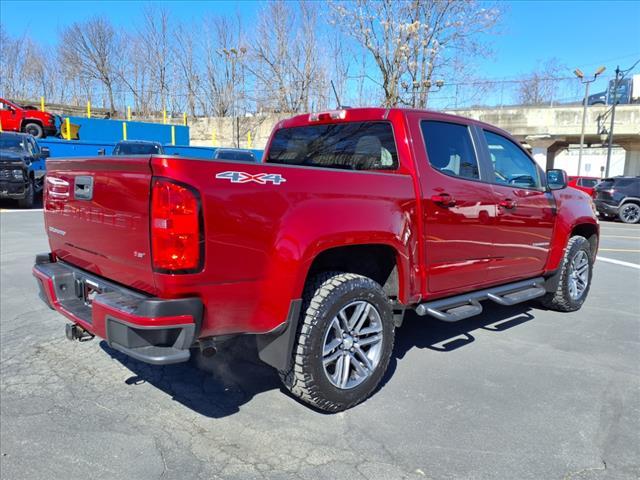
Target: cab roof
{"x": 361, "y": 114}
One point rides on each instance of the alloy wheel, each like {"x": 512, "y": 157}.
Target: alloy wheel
{"x": 578, "y": 275}
{"x": 630, "y": 213}
{"x": 352, "y": 345}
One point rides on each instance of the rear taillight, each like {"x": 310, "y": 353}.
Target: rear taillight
{"x": 176, "y": 231}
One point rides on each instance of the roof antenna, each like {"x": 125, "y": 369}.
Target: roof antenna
{"x": 336, "y": 94}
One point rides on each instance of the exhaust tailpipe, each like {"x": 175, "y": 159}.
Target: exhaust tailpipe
{"x": 208, "y": 347}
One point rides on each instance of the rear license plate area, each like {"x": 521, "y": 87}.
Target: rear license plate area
{"x": 86, "y": 290}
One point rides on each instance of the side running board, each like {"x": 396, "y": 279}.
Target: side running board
{"x": 454, "y": 309}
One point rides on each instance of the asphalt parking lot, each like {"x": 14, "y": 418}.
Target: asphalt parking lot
{"x": 516, "y": 393}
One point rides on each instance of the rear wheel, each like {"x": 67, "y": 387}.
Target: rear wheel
{"x": 575, "y": 277}
{"x": 629, "y": 212}
{"x": 344, "y": 343}
{"x": 34, "y": 129}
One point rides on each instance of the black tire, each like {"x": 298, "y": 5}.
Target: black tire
{"x": 561, "y": 300}
{"x": 324, "y": 297}
{"x": 34, "y": 129}
{"x": 29, "y": 196}
{"x": 629, "y": 212}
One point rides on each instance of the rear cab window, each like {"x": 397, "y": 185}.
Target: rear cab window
{"x": 450, "y": 149}
{"x": 587, "y": 182}
{"x": 347, "y": 146}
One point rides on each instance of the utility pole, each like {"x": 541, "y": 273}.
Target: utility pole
{"x": 578, "y": 73}
{"x": 620, "y": 74}
{"x": 613, "y": 118}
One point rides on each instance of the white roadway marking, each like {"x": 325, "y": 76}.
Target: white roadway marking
{"x": 618, "y": 262}
{"x": 12, "y": 210}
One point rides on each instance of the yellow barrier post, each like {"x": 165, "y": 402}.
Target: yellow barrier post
{"x": 42, "y": 104}
{"x": 128, "y": 113}
{"x": 184, "y": 119}
{"x": 213, "y": 137}
{"x": 88, "y": 108}
{"x": 173, "y": 134}
{"x": 164, "y": 116}
{"x": 0, "y": 126}
{"x": 249, "y": 139}
{"x": 67, "y": 122}
{"x": 124, "y": 130}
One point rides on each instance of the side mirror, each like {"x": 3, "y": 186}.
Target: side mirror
{"x": 556, "y": 179}
{"x": 45, "y": 152}
{"x": 101, "y": 151}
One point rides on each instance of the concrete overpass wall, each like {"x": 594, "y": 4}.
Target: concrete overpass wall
{"x": 557, "y": 121}
{"x": 548, "y": 130}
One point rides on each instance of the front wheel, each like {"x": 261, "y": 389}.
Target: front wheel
{"x": 629, "y": 212}
{"x": 29, "y": 196}
{"x": 575, "y": 277}
{"x": 34, "y": 129}
{"x": 344, "y": 344}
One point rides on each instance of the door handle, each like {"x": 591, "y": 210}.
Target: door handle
{"x": 444, "y": 200}
{"x": 507, "y": 203}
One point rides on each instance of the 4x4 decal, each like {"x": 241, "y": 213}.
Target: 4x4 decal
{"x": 243, "y": 177}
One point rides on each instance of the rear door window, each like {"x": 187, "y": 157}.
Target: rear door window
{"x": 587, "y": 182}
{"x": 348, "y": 146}
{"x": 450, "y": 149}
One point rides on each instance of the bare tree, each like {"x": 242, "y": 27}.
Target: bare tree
{"x": 186, "y": 59}
{"x": 225, "y": 66}
{"x": 286, "y": 58}
{"x": 155, "y": 39}
{"x": 412, "y": 41}
{"x": 91, "y": 48}
{"x": 542, "y": 85}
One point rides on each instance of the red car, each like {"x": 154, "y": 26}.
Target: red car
{"x": 354, "y": 217}
{"x": 584, "y": 184}
{"x": 16, "y": 118}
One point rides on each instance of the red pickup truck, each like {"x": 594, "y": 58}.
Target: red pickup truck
{"x": 353, "y": 217}
{"x": 16, "y": 118}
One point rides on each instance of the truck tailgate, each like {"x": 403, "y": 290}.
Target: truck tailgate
{"x": 97, "y": 216}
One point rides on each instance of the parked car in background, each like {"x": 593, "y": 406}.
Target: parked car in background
{"x": 584, "y": 184}
{"x": 354, "y": 217}
{"x": 239, "y": 154}
{"x": 138, "y": 147}
{"x": 22, "y": 167}
{"x": 18, "y": 118}
{"x": 618, "y": 197}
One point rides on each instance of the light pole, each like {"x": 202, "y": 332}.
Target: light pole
{"x": 578, "y": 73}
{"x": 421, "y": 87}
{"x": 233, "y": 56}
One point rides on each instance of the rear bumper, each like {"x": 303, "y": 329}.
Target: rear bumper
{"x": 606, "y": 208}
{"x": 149, "y": 329}
{"x": 50, "y": 131}
{"x": 14, "y": 190}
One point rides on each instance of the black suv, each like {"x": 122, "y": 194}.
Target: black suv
{"x": 618, "y": 197}
{"x": 138, "y": 147}
{"x": 22, "y": 167}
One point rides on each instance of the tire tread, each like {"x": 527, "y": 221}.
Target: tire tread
{"x": 560, "y": 300}
{"x": 297, "y": 379}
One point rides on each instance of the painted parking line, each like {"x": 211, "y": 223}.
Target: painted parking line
{"x": 632, "y": 250}
{"x": 622, "y": 226}
{"x": 618, "y": 262}
{"x": 12, "y": 210}
{"x": 621, "y": 236}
